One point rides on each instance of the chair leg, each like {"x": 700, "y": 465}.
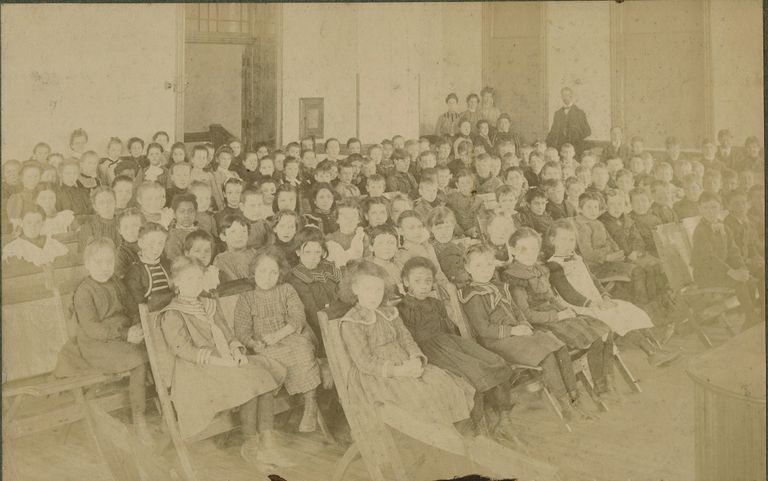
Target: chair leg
{"x": 342, "y": 465}
{"x": 633, "y": 383}
{"x": 89, "y": 422}
{"x": 324, "y": 428}
{"x": 555, "y": 407}
{"x": 724, "y": 320}
{"x": 9, "y": 467}
{"x": 590, "y": 388}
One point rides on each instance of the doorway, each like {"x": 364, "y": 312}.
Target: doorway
{"x": 230, "y": 73}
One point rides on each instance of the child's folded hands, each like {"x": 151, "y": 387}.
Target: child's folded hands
{"x": 521, "y": 330}
{"x": 240, "y": 358}
{"x": 410, "y": 368}
{"x": 135, "y": 334}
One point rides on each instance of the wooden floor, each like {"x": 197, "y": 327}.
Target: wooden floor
{"x": 649, "y": 436}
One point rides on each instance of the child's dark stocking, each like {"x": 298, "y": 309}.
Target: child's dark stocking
{"x": 137, "y": 392}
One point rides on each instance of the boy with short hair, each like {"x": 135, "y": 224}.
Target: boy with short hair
{"x": 324, "y": 172}
{"x": 688, "y": 206}
{"x": 711, "y": 181}
{"x": 725, "y": 153}
{"x": 463, "y": 158}
{"x": 103, "y": 224}
{"x": 647, "y": 278}
{"x": 574, "y": 187}
{"x": 600, "y": 252}
{"x": 400, "y": 179}
{"x": 672, "y": 153}
{"x": 557, "y": 208}
{"x": 533, "y": 168}
{"x": 715, "y": 257}
{"x": 123, "y": 187}
{"x": 464, "y": 204}
{"x": 252, "y": 209}
{"x": 376, "y": 185}
{"x": 205, "y": 216}
{"x": 600, "y": 178}
{"x": 148, "y": 279}
{"x": 617, "y": 147}
{"x": 662, "y": 202}
{"x": 709, "y": 156}
{"x": 367, "y": 170}
{"x": 345, "y": 187}
{"x": 150, "y": 196}
{"x": 129, "y": 223}
{"x": 535, "y": 214}
{"x": 486, "y": 182}
{"x": 645, "y": 220}
{"x": 427, "y": 197}
{"x": 70, "y": 195}
{"x": 181, "y": 178}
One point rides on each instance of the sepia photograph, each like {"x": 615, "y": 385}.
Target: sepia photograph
{"x": 509, "y": 240}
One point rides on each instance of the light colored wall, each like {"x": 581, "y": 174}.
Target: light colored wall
{"x": 97, "y": 67}
{"x": 578, "y": 56}
{"x": 408, "y": 56}
{"x": 737, "y": 67}
{"x": 214, "y": 91}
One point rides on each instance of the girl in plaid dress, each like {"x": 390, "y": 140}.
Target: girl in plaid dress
{"x": 270, "y": 320}
{"x": 388, "y": 365}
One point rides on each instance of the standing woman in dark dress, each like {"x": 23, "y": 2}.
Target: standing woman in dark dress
{"x": 447, "y": 122}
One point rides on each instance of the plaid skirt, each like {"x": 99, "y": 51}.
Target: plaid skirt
{"x": 296, "y": 353}
{"x": 577, "y": 332}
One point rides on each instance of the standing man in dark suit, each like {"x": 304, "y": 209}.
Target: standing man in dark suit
{"x": 570, "y": 125}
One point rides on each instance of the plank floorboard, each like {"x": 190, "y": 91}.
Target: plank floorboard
{"x": 647, "y": 437}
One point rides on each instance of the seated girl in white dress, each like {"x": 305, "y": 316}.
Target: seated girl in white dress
{"x": 574, "y": 283}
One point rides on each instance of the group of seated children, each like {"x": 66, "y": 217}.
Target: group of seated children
{"x": 387, "y": 243}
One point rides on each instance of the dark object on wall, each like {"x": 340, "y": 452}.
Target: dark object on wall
{"x": 311, "y": 117}
{"x": 729, "y": 406}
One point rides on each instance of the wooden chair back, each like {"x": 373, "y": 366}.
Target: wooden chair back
{"x": 674, "y": 247}
{"x": 34, "y": 332}
{"x": 370, "y": 424}
{"x": 161, "y": 367}
{"x": 459, "y": 317}
{"x": 369, "y": 432}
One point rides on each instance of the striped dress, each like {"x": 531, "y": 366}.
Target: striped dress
{"x": 260, "y": 312}
{"x": 150, "y": 283}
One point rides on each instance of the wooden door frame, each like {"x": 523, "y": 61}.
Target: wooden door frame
{"x": 180, "y": 82}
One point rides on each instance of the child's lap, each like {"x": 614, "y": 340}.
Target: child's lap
{"x": 529, "y": 350}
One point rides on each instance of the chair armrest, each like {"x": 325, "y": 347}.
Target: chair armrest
{"x": 615, "y": 278}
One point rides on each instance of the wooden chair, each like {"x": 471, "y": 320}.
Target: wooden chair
{"x": 34, "y": 400}
{"x": 524, "y": 375}
{"x": 370, "y": 424}
{"x": 702, "y": 305}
